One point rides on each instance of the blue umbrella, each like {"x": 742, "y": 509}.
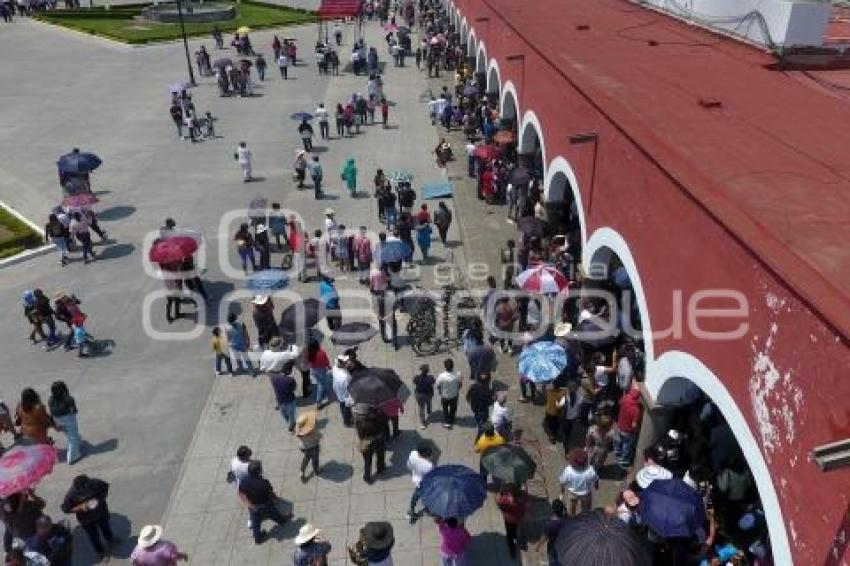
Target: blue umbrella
{"x": 542, "y": 361}
{"x": 596, "y": 539}
{"x": 301, "y": 116}
{"x": 179, "y": 87}
{"x": 437, "y": 189}
{"x": 267, "y": 279}
{"x": 400, "y": 176}
{"x": 672, "y": 509}
{"x": 453, "y": 491}
{"x": 393, "y": 251}
{"x": 78, "y": 162}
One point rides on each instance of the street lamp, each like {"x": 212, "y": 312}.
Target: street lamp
{"x": 185, "y": 42}
{"x": 580, "y": 139}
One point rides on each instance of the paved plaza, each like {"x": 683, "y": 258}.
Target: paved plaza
{"x": 159, "y": 426}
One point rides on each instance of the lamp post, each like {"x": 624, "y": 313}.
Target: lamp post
{"x": 185, "y": 43}
{"x": 580, "y": 139}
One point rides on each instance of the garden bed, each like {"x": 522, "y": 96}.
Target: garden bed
{"x": 16, "y": 236}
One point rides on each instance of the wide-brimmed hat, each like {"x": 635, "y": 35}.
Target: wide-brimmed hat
{"x": 59, "y": 295}
{"x": 260, "y": 228}
{"x": 378, "y": 535}
{"x": 149, "y": 535}
{"x": 306, "y": 533}
{"x": 260, "y": 299}
{"x": 305, "y": 423}
{"x": 329, "y": 212}
{"x": 562, "y": 329}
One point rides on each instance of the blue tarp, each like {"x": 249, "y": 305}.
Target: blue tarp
{"x": 437, "y": 189}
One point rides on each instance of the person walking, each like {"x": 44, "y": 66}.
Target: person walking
{"x": 63, "y": 410}
{"x": 371, "y": 427}
{"x": 263, "y": 246}
{"x": 319, "y": 364}
{"x": 309, "y": 440}
{"x": 32, "y": 418}
{"x": 261, "y": 66}
{"x": 321, "y": 114}
{"x": 311, "y": 548}
{"x": 423, "y": 391}
{"x": 374, "y": 545}
{"x": 418, "y": 464}
{"x": 176, "y": 112}
{"x": 283, "y": 64}
{"x": 488, "y": 439}
{"x": 578, "y": 480}
{"x": 152, "y": 550}
{"x": 239, "y": 342}
{"x": 28, "y": 302}
{"x": 283, "y": 385}
{"x": 79, "y": 228}
{"x": 502, "y": 416}
{"x": 423, "y": 238}
{"x": 454, "y": 539}
{"x": 86, "y": 499}
{"x": 316, "y": 175}
{"x": 245, "y": 247}
{"x": 244, "y": 157}
{"x": 479, "y": 396}
{"x": 45, "y": 315}
{"x": 258, "y": 496}
{"x": 56, "y": 233}
{"x": 264, "y": 321}
{"x": 443, "y": 220}
{"x": 513, "y": 503}
{"x": 341, "y": 380}
{"x": 628, "y": 426}
{"x": 305, "y": 130}
{"x": 349, "y": 175}
{"x": 448, "y": 384}
{"x": 339, "y": 119}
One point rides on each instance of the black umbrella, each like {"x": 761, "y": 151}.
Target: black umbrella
{"x": 532, "y": 226}
{"x": 298, "y": 318}
{"x": 222, "y": 63}
{"x": 595, "y": 539}
{"x": 78, "y": 162}
{"x": 519, "y": 176}
{"x": 374, "y": 386}
{"x": 353, "y": 333}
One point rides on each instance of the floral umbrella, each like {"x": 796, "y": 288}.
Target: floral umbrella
{"x": 22, "y": 467}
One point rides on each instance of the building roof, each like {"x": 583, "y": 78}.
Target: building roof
{"x": 772, "y": 164}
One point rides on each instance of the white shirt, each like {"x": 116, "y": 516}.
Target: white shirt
{"x": 624, "y": 374}
{"x": 573, "y": 409}
{"x": 243, "y": 154}
{"x": 283, "y": 61}
{"x": 501, "y": 414}
{"x": 601, "y": 377}
{"x": 239, "y": 469}
{"x": 448, "y": 384}
{"x": 470, "y": 149}
{"x": 330, "y": 225}
{"x": 579, "y": 482}
{"x": 418, "y": 466}
{"x": 441, "y": 105}
{"x": 341, "y": 379}
{"x": 273, "y": 361}
{"x": 321, "y": 113}
{"x": 432, "y": 107}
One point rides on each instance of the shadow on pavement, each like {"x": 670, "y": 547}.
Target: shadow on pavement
{"x": 337, "y": 472}
{"x": 116, "y": 213}
{"x": 116, "y": 251}
{"x": 122, "y": 546}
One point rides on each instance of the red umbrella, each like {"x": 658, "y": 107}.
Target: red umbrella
{"x": 542, "y": 279}
{"x": 173, "y": 249}
{"x": 487, "y": 151}
{"x": 79, "y": 200}
{"x": 22, "y": 467}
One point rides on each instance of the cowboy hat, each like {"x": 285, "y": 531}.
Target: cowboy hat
{"x": 562, "y": 329}
{"x": 305, "y": 423}
{"x": 306, "y": 533}
{"x": 261, "y": 228}
{"x": 59, "y": 295}
{"x": 329, "y": 212}
{"x": 149, "y": 535}
{"x": 260, "y": 299}
{"x": 378, "y": 535}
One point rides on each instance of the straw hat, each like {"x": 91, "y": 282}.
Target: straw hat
{"x": 305, "y": 423}
{"x": 59, "y": 295}
{"x": 260, "y": 299}
{"x": 329, "y": 212}
{"x": 149, "y": 535}
{"x": 306, "y": 533}
{"x": 562, "y": 329}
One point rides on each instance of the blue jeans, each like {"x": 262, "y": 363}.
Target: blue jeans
{"x": 414, "y": 499}
{"x": 624, "y": 447}
{"x": 454, "y": 559}
{"x": 287, "y": 411}
{"x": 391, "y": 216}
{"x": 222, "y": 357}
{"x": 246, "y": 255}
{"x": 470, "y": 165}
{"x": 322, "y": 386}
{"x": 240, "y": 356}
{"x": 72, "y": 434}
{"x": 317, "y": 187}
{"x": 267, "y": 511}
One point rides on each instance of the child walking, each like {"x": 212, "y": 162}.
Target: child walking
{"x": 219, "y": 348}
{"x": 308, "y": 440}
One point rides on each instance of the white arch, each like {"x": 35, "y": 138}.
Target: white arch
{"x": 509, "y": 89}
{"x": 530, "y": 120}
{"x": 481, "y": 56}
{"x": 609, "y": 238}
{"x": 472, "y": 44}
{"x": 464, "y": 33}
{"x": 681, "y": 364}
{"x": 561, "y": 165}
{"x": 494, "y": 66}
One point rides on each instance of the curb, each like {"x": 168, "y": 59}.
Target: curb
{"x": 26, "y": 254}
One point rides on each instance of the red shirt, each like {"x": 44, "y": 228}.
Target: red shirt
{"x": 513, "y": 508}
{"x": 630, "y": 415}
{"x": 487, "y": 179}
{"x": 319, "y": 361}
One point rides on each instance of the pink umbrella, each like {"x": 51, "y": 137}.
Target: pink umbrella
{"x": 80, "y": 200}
{"x": 542, "y": 279}
{"x": 22, "y": 467}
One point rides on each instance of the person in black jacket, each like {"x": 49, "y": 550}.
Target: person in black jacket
{"x": 264, "y": 320}
{"x": 45, "y": 314}
{"x": 87, "y": 500}
{"x": 371, "y": 426}
{"x": 480, "y": 397}
{"x": 53, "y": 541}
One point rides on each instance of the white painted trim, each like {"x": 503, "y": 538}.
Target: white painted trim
{"x": 509, "y": 88}
{"x": 494, "y": 65}
{"x": 561, "y": 165}
{"x": 472, "y": 44}
{"x": 464, "y": 33}
{"x": 481, "y": 55}
{"x": 681, "y": 364}
{"x": 609, "y": 238}
{"x": 530, "y": 119}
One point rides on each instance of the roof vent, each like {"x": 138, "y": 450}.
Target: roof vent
{"x": 710, "y": 103}
{"x": 582, "y": 27}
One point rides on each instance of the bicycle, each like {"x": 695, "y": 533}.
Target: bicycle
{"x": 429, "y": 342}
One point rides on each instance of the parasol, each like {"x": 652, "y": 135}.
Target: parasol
{"x": 487, "y": 151}
{"x": 509, "y": 463}
{"x": 353, "y": 333}
{"x": 596, "y": 539}
{"x": 298, "y": 318}
{"x": 172, "y": 249}
{"x": 374, "y": 386}
{"x": 543, "y": 279}
{"x": 179, "y": 87}
{"x": 301, "y": 116}
{"x": 542, "y": 362}
{"x": 532, "y": 226}
{"x": 80, "y": 200}
{"x": 267, "y": 279}
{"x": 671, "y": 508}
{"x": 22, "y": 467}
{"x": 223, "y": 63}
{"x": 452, "y": 491}
{"x": 78, "y": 162}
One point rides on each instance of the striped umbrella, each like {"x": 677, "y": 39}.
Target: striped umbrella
{"x": 542, "y": 279}
{"x": 594, "y": 539}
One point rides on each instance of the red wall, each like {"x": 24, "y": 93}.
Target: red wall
{"x": 677, "y": 245}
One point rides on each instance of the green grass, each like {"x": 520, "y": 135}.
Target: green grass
{"x": 119, "y": 23}
{"x": 16, "y": 236}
